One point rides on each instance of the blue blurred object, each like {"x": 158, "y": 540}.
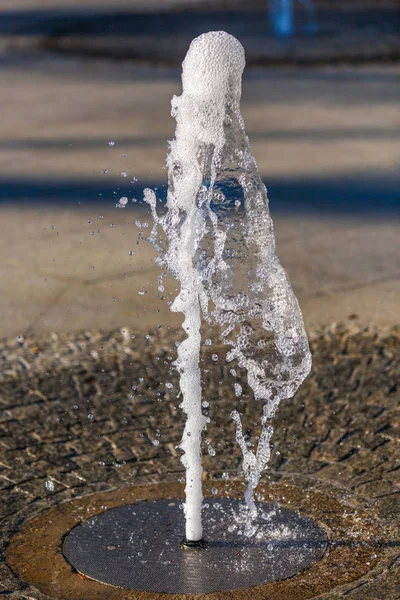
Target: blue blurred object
{"x": 282, "y": 16}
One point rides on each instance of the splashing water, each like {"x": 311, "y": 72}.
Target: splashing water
{"x": 217, "y": 239}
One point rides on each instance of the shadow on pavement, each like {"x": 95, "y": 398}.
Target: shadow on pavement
{"x": 356, "y": 195}
{"x": 190, "y": 22}
{"x": 324, "y": 133}
{"x": 361, "y": 33}
{"x": 148, "y": 140}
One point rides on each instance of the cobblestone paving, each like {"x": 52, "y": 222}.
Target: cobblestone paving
{"x": 100, "y": 411}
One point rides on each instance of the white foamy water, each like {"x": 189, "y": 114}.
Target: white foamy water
{"x": 217, "y": 239}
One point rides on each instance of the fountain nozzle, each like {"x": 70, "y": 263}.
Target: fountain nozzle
{"x": 194, "y": 544}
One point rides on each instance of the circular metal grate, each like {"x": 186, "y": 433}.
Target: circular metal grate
{"x": 138, "y": 547}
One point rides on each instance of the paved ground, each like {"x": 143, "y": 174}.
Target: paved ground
{"x": 70, "y": 417}
{"x": 327, "y": 145}
{"x": 326, "y": 141}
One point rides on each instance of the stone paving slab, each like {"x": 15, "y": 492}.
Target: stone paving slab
{"x": 326, "y": 144}
{"x": 320, "y": 124}
{"x": 82, "y": 274}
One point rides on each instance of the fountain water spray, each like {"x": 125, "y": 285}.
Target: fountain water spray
{"x": 217, "y": 239}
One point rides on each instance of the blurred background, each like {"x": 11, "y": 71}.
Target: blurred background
{"x": 85, "y": 88}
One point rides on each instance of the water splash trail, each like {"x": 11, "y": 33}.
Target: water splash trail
{"x": 179, "y": 258}
{"x": 217, "y": 239}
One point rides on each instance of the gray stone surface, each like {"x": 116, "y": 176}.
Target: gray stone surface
{"x": 327, "y": 146}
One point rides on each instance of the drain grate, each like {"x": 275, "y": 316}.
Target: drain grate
{"x": 137, "y": 547}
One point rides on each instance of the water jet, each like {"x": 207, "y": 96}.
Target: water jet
{"x": 216, "y": 238}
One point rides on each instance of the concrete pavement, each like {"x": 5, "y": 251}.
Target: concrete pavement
{"x": 327, "y": 145}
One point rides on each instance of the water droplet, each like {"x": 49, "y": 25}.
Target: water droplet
{"x": 208, "y": 342}
{"x": 53, "y": 226}
{"x": 238, "y": 390}
{"x": 214, "y": 491}
{"x": 90, "y": 416}
{"x": 156, "y": 443}
{"x": 123, "y": 201}
{"x": 130, "y": 252}
{"x": 49, "y": 485}
{"x": 124, "y": 174}
{"x": 215, "y": 357}
{"x": 111, "y": 143}
{"x": 105, "y": 171}
{"x": 169, "y": 386}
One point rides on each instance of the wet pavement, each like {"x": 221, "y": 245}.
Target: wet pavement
{"x": 72, "y": 425}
